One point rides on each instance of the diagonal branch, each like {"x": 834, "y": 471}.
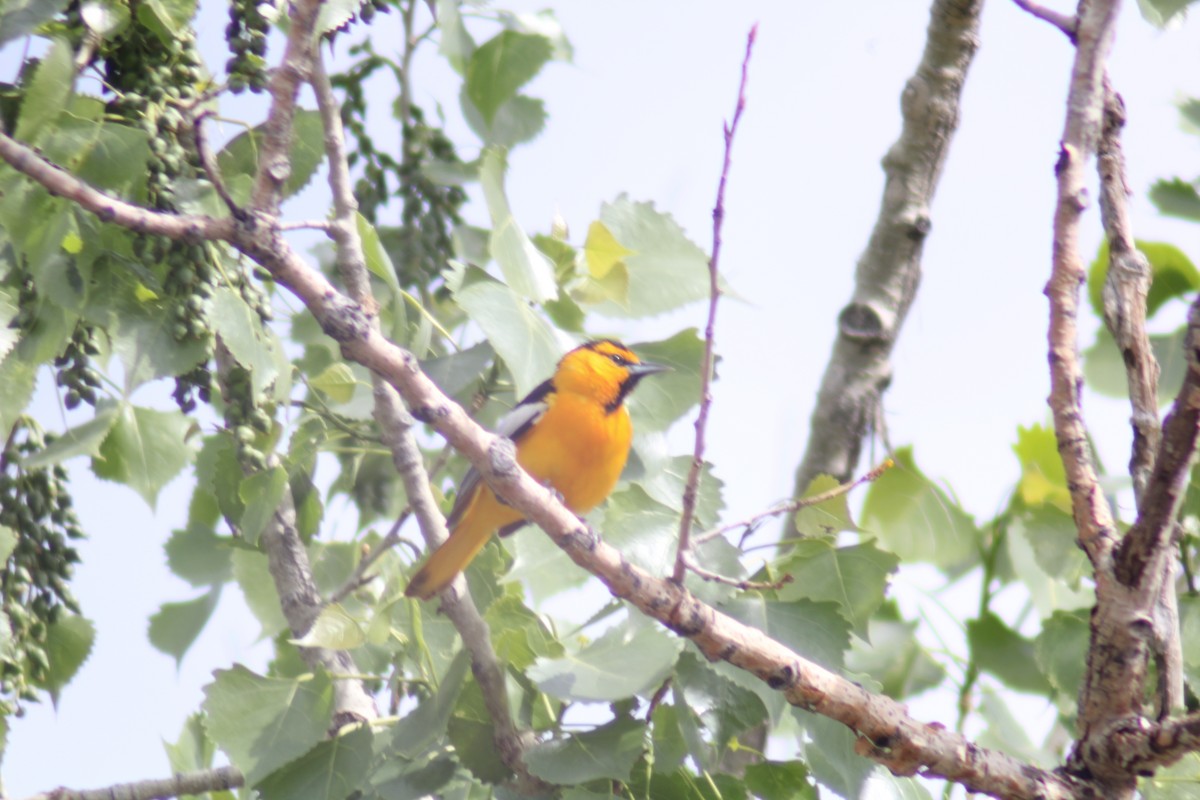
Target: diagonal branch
{"x": 714, "y": 295}
{"x": 888, "y": 272}
{"x": 396, "y": 423}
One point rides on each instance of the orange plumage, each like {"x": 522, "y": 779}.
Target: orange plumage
{"x": 572, "y": 433}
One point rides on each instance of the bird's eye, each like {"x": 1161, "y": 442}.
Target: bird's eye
{"x": 618, "y": 359}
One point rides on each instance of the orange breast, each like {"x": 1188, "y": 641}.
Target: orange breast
{"x": 578, "y": 449}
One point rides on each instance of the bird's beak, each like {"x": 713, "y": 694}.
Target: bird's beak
{"x": 647, "y": 368}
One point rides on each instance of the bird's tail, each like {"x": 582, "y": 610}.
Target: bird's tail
{"x": 467, "y": 539}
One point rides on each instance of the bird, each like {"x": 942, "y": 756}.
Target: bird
{"x": 572, "y": 433}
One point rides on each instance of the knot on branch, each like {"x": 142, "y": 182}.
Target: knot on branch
{"x": 343, "y": 320}
{"x": 502, "y": 457}
{"x": 862, "y": 323}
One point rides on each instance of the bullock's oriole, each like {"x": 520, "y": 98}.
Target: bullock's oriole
{"x": 572, "y": 433}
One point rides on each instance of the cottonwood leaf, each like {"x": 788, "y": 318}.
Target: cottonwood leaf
{"x": 1176, "y": 198}
{"x": 175, "y": 626}
{"x": 607, "y": 752}
{"x": 1006, "y": 654}
{"x": 330, "y": 771}
{"x": 622, "y": 663}
{"x": 527, "y": 270}
{"x": 917, "y": 520}
{"x": 84, "y": 439}
{"x": 334, "y": 629}
{"x": 501, "y": 66}
{"x": 48, "y": 91}
{"x": 1061, "y": 650}
{"x": 199, "y": 556}
{"x": 855, "y": 577}
{"x": 20, "y": 18}
{"x": 263, "y": 723}
{"x": 517, "y": 333}
{"x": 261, "y": 494}
{"x": 144, "y": 449}
{"x": 68, "y": 644}
{"x": 240, "y": 156}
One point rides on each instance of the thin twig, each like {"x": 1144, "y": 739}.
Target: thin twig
{"x": 792, "y": 506}
{"x": 221, "y": 779}
{"x": 714, "y": 295}
{"x": 308, "y": 224}
{"x": 737, "y": 583}
{"x": 360, "y": 577}
{"x": 209, "y": 163}
{"x": 1067, "y": 23}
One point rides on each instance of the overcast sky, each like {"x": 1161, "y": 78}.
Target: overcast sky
{"x": 640, "y": 111}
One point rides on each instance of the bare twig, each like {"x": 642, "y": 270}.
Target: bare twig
{"x": 307, "y": 224}
{"x": 859, "y": 369}
{"x": 792, "y": 506}
{"x": 221, "y": 779}
{"x": 714, "y": 295}
{"x": 737, "y": 583}
{"x": 1125, "y": 290}
{"x": 209, "y": 163}
{"x": 1066, "y": 23}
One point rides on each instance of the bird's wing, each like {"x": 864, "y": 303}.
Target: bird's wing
{"x": 515, "y": 424}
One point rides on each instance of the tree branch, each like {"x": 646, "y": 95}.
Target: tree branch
{"x": 888, "y": 272}
{"x": 714, "y": 295}
{"x": 1125, "y": 290}
{"x": 211, "y": 780}
{"x": 395, "y": 424}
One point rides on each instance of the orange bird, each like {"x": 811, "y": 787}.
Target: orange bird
{"x": 572, "y": 434}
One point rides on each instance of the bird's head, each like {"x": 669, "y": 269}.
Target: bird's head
{"x": 603, "y": 370}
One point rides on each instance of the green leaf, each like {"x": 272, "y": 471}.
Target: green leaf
{"x": 609, "y": 751}
{"x": 1061, "y": 650}
{"x": 144, "y": 449}
{"x": 519, "y": 335}
{"x": 620, "y": 664}
{"x": 68, "y": 644}
{"x": 261, "y": 493}
{"x": 666, "y": 269}
{"x": 17, "y": 379}
{"x": 8, "y": 542}
{"x": 895, "y": 658}
{"x": 526, "y": 269}
{"x": 662, "y": 479}
{"x": 398, "y": 780}
{"x": 334, "y": 14}
{"x": 240, "y": 156}
{"x": 219, "y": 473}
{"x": 166, "y": 17}
{"x": 193, "y": 751}
{"x": 1172, "y": 274}
{"x": 817, "y": 631}
{"x": 337, "y": 381}
{"x": 1008, "y": 734}
{"x": 501, "y": 66}
{"x": 20, "y": 18}
{"x": 1003, "y": 652}
{"x": 824, "y": 520}
{"x": 258, "y": 587}
{"x": 1176, "y": 198}
{"x": 48, "y": 92}
{"x": 660, "y": 400}
{"x": 726, "y": 708}
{"x": 780, "y": 780}
{"x": 855, "y": 578}
{"x": 1043, "y": 478}
{"x": 330, "y": 771}
{"x": 175, "y": 627}
{"x": 831, "y": 755}
{"x": 334, "y": 629}
{"x": 263, "y": 723}
{"x": 104, "y": 18}
{"x": 457, "y": 372}
{"x": 243, "y": 333}
{"x": 1052, "y": 535}
{"x": 1180, "y": 781}
{"x": 455, "y": 42}
{"x": 916, "y": 519}
{"x": 148, "y": 349}
{"x": 520, "y": 636}
{"x": 472, "y": 734}
{"x": 519, "y": 120}
{"x": 417, "y": 731}
{"x": 9, "y": 335}
{"x": 199, "y": 556}
{"x": 1163, "y": 13}
{"x": 378, "y": 261}
{"x": 84, "y": 439}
